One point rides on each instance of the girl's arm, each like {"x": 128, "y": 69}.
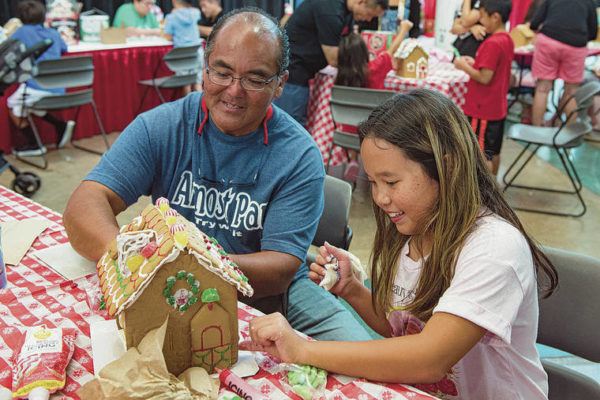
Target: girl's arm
{"x": 424, "y": 357}
{"x": 405, "y": 26}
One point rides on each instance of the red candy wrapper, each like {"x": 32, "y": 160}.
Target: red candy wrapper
{"x": 41, "y": 364}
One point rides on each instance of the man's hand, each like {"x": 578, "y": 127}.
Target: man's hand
{"x": 274, "y": 335}
{"x": 478, "y": 31}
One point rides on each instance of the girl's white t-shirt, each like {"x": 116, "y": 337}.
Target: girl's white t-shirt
{"x": 494, "y": 286}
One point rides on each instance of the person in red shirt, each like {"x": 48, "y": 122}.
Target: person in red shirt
{"x": 486, "y": 100}
{"x": 355, "y": 69}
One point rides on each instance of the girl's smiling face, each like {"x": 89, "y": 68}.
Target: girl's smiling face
{"x": 399, "y": 186}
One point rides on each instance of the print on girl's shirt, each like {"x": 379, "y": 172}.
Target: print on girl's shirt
{"x": 404, "y": 323}
{"x": 402, "y": 295}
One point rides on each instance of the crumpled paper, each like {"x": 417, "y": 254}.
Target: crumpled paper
{"x": 332, "y": 274}
{"x": 142, "y": 374}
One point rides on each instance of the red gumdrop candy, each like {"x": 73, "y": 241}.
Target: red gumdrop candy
{"x": 149, "y": 249}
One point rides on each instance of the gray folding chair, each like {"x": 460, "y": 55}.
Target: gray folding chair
{"x": 350, "y": 106}
{"x": 569, "y": 321}
{"x": 183, "y": 62}
{"x": 562, "y": 139}
{"x": 65, "y": 72}
{"x": 333, "y": 225}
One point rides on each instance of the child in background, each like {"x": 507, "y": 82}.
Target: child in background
{"x": 486, "y": 99}
{"x": 565, "y": 27}
{"x": 453, "y": 270}
{"x": 355, "y": 69}
{"x": 33, "y": 15}
{"x": 181, "y": 26}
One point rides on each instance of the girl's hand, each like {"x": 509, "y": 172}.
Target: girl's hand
{"x": 327, "y": 254}
{"x": 274, "y": 335}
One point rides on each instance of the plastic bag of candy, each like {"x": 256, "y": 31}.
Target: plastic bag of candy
{"x": 306, "y": 381}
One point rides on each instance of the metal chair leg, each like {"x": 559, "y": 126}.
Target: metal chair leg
{"x": 329, "y": 157}
{"x": 514, "y": 163}
{"x": 38, "y": 140}
{"x": 139, "y": 110}
{"x": 102, "y": 131}
{"x": 160, "y": 96}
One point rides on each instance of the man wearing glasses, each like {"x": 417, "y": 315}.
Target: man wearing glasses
{"x": 244, "y": 171}
{"x": 137, "y": 18}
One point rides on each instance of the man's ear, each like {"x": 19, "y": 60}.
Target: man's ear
{"x": 282, "y": 80}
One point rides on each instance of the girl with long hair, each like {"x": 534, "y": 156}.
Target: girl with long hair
{"x": 355, "y": 69}
{"x": 453, "y": 271}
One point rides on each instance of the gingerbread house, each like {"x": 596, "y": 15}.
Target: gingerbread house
{"x": 412, "y": 60}
{"x": 522, "y": 35}
{"x": 162, "y": 266}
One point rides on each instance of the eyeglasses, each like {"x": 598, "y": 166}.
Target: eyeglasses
{"x": 249, "y": 83}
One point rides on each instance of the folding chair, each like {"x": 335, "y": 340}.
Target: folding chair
{"x": 65, "y": 72}
{"x": 350, "y": 106}
{"x": 333, "y": 225}
{"x": 562, "y": 139}
{"x": 183, "y": 61}
{"x": 569, "y": 321}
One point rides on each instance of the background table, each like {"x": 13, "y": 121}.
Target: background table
{"x": 117, "y": 70}
{"x": 38, "y": 295}
{"x": 442, "y": 77}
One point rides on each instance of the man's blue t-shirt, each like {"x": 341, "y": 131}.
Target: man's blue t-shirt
{"x": 248, "y": 195}
{"x": 32, "y": 34}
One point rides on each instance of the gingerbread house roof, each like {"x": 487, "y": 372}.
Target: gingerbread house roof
{"x": 407, "y": 47}
{"x": 156, "y": 237}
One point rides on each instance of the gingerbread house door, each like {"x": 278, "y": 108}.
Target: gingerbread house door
{"x": 211, "y": 338}
{"x": 422, "y": 68}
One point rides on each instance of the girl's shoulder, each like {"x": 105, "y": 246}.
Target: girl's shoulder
{"x": 495, "y": 236}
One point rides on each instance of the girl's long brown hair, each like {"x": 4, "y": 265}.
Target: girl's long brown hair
{"x": 353, "y": 60}
{"x": 433, "y": 132}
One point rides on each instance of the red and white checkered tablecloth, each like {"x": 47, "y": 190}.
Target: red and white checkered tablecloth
{"x": 37, "y": 295}
{"x": 442, "y": 77}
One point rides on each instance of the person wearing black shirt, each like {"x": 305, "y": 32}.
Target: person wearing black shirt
{"x": 211, "y": 12}
{"x": 564, "y": 28}
{"x": 314, "y": 30}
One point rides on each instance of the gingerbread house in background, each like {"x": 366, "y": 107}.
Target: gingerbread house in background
{"x": 522, "y": 35}
{"x": 162, "y": 266}
{"x": 412, "y": 60}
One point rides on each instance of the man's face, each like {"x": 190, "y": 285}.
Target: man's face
{"x": 208, "y": 7}
{"x": 486, "y": 20}
{"x": 364, "y": 11}
{"x": 240, "y": 52}
{"x": 143, "y": 6}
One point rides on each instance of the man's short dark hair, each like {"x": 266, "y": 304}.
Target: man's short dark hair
{"x": 267, "y": 23}
{"x": 31, "y": 12}
{"x": 502, "y": 7}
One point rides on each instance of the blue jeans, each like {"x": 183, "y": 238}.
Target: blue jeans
{"x": 294, "y": 101}
{"x": 317, "y": 313}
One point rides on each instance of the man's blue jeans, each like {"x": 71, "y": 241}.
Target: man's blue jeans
{"x": 317, "y": 313}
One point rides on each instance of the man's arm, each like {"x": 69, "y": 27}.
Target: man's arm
{"x": 269, "y": 272}
{"x": 331, "y": 54}
{"x": 205, "y": 30}
{"x": 90, "y": 218}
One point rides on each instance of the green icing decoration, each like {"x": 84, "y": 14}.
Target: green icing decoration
{"x": 192, "y": 283}
{"x": 210, "y": 295}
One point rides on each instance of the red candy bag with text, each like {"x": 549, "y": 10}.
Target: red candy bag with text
{"x": 40, "y": 367}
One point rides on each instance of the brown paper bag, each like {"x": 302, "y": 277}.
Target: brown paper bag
{"x": 142, "y": 374}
